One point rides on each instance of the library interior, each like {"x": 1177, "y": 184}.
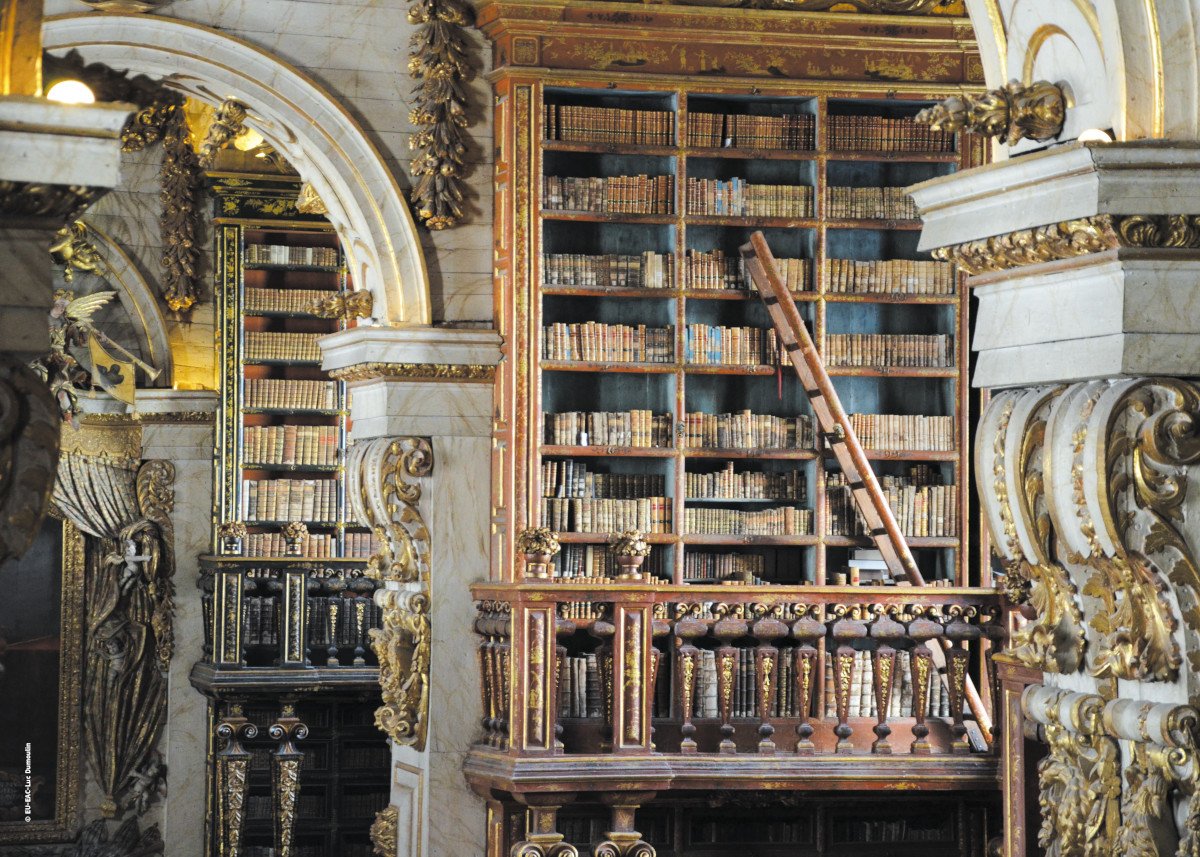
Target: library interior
{"x": 599, "y": 428}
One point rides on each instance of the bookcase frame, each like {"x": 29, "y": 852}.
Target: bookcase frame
{"x": 248, "y": 213}
{"x": 519, "y": 439}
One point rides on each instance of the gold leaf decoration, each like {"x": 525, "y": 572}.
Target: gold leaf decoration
{"x": 1015, "y": 112}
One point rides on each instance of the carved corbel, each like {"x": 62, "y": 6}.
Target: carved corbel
{"x": 403, "y": 647}
{"x": 1079, "y": 780}
{"x": 623, "y": 840}
{"x": 1009, "y": 459}
{"x": 542, "y": 838}
{"x": 285, "y": 768}
{"x": 231, "y": 777}
{"x": 383, "y": 499}
{"x": 1014, "y": 112}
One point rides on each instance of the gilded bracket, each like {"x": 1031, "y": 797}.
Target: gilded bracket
{"x": 344, "y": 305}
{"x": 383, "y": 499}
{"x": 385, "y": 830}
{"x": 1014, "y": 112}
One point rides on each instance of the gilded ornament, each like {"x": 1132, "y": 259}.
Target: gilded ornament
{"x": 383, "y": 499}
{"x": 75, "y": 251}
{"x": 180, "y": 193}
{"x": 465, "y": 372}
{"x": 344, "y": 305}
{"x": 227, "y": 123}
{"x": 309, "y": 202}
{"x": 1063, "y": 240}
{"x": 539, "y": 541}
{"x": 441, "y": 66}
{"x": 1016, "y": 112}
{"x": 31, "y": 200}
{"x": 629, "y": 543}
{"x": 384, "y": 831}
{"x": 403, "y": 647}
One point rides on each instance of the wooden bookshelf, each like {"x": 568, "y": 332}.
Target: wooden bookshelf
{"x": 284, "y": 421}
{"x": 875, "y": 145}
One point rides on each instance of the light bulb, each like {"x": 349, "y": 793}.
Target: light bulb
{"x": 71, "y": 92}
{"x": 1094, "y": 135}
{"x": 248, "y": 140}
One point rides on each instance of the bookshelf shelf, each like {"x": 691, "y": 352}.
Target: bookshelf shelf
{"x": 850, "y": 275}
{"x": 292, "y": 468}
{"x": 315, "y": 269}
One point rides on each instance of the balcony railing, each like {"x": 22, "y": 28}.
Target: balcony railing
{"x": 662, "y": 677}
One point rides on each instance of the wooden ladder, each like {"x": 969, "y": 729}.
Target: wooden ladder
{"x": 835, "y": 427}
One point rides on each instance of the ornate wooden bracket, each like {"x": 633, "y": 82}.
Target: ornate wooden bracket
{"x": 623, "y": 840}
{"x": 285, "y": 764}
{"x": 232, "y": 780}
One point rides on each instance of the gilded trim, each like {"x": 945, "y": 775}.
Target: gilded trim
{"x": 457, "y": 372}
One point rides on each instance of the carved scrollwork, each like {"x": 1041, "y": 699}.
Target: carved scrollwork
{"x": 344, "y": 305}
{"x": 384, "y": 500}
{"x": 1062, "y": 240}
{"x": 226, "y": 124}
{"x": 1015, "y": 112}
{"x": 403, "y": 646}
{"x": 384, "y": 830}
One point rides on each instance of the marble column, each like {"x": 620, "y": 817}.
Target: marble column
{"x": 435, "y": 383}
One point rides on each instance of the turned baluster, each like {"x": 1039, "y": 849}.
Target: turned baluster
{"x": 843, "y": 633}
{"x": 727, "y": 630}
{"x": 487, "y": 650}
{"x": 562, "y": 628}
{"x": 500, "y": 663}
{"x": 920, "y": 631}
{"x": 766, "y": 665}
{"x": 605, "y": 631}
{"x": 807, "y": 630}
{"x": 886, "y": 631}
{"x": 334, "y": 619}
{"x": 958, "y": 661}
{"x": 688, "y": 629}
{"x": 363, "y": 588}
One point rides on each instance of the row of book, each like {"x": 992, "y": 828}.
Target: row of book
{"x": 571, "y": 478}
{"x": 714, "y": 269}
{"x": 361, "y": 544}
{"x": 567, "y": 515}
{"x": 903, "y": 276}
{"x": 730, "y": 484}
{"x": 282, "y": 300}
{"x": 862, "y": 689}
{"x": 920, "y": 510}
{"x": 879, "y": 203}
{"x": 289, "y": 500}
{"x": 647, "y": 270}
{"x": 793, "y": 132}
{"x": 342, "y": 622}
{"x": 299, "y": 347}
{"x": 718, "y": 566}
{"x": 716, "y": 345}
{"x": 889, "y": 349}
{"x": 778, "y": 521}
{"x": 636, "y": 428}
{"x": 281, "y": 254}
{"x": 290, "y": 444}
{"x": 736, "y": 198}
{"x": 315, "y": 545}
{"x": 595, "y": 341}
{"x": 904, "y": 432}
{"x": 886, "y": 134}
{"x": 277, "y": 393}
{"x": 747, "y": 430}
{"x": 640, "y": 194}
{"x": 596, "y": 562}
{"x": 578, "y": 124}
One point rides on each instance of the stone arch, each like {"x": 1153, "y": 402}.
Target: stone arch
{"x": 1119, "y": 58}
{"x": 294, "y": 114}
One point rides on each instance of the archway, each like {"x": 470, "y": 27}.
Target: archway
{"x": 296, "y": 116}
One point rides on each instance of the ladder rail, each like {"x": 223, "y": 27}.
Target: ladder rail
{"x": 835, "y": 424}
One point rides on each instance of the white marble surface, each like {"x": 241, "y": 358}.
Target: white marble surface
{"x": 1092, "y": 357}
{"x": 410, "y": 344}
{"x": 398, "y": 407}
{"x": 68, "y": 144}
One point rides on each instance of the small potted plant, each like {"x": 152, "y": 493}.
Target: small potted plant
{"x": 231, "y": 538}
{"x": 538, "y": 545}
{"x": 295, "y": 534}
{"x": 631, "y": 549}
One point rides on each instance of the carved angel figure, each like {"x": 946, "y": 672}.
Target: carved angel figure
{"x": 70, "y": 324}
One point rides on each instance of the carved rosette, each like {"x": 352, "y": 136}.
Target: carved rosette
{"x": 383, "y": 499}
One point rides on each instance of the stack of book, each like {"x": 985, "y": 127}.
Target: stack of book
{"x": 597, "y": 563}
{"x": 747, "y": 430}
{"x": 889, "y": 349}
{"x": 873, "y": 203}
{"x": 862, "y": 690}
{"x": 611, "y": 270}
{"x": 278, "y": 254}
{"x": 315, "y": 545}
{"x": 713, "y": 269}
{"x": 779, "y": 521}
{"x": 276, "y": 393}
{"x": 714, "y": 345}
{"x": 719, "y": 566}
{"x": 290, "y": 444}
{"x": 921, "y": 507}
{"x": 639, "y": 194}
{"x": 593, "y": 341}
{"x": 793, "y": 132}
{"x": 581, "y": 610}
{"x": 735, "y": 198}
{"x": 282, "y": 300}
{"x": 295, "y": 347}
{"x": 904, "y": 432}
{"x": 289, "y": 500}
{"x": 607, "y": 428}
{"x": 730, "y": 484}
{"x": 904, "y": 276}
{"x": 361, "y": 545}
{"x": 576, "y": 124}
{"x": 884, "y": 134}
